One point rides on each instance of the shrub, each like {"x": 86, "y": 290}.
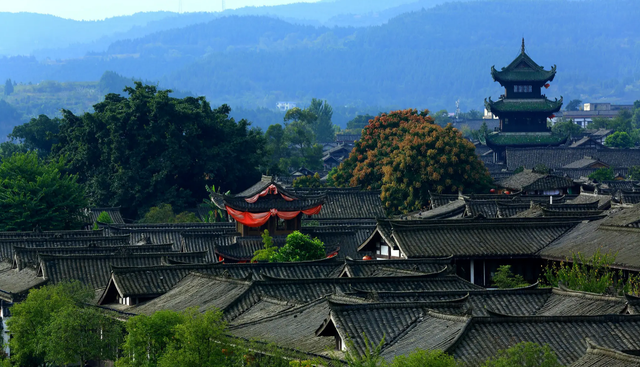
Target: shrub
{"x": 525, "y": 354}
{"x": 504, "y": 278}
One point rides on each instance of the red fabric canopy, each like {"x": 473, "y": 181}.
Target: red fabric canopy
{"x": 272, "y": 189}
{"x": 259, "y": 219}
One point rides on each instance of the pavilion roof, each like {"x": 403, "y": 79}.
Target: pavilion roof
{"x": 523, "y": 69}
{"x": 525, "y": 106}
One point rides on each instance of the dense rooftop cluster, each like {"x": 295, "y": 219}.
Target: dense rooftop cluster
{"x": 428, "y": 285}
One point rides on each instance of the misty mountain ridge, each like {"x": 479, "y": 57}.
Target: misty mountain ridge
{"x": 51, "y": 37}
{"x": 423, "y": 59}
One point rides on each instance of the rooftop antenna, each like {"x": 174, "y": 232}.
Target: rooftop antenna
{"x": 457, "y": 109}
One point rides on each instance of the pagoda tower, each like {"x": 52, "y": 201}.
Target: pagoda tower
{"x": 522, "y": 109}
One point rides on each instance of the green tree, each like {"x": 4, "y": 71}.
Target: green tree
{"x": 573, "y": 105}
{"x": 619, "y": 139}
{"x": 299, "y": 247}
{"x": 593, "y": 274}
{"x": 8, "y": 87}
{"x": 79, "y": 334}
{"x": 634, "y": 173}
{"x": 147, "y": 338}
{"x": 541, "y": 168}
{"x": 163, "y": 213}
{"x": 602, "y": 174}
{"x": 322, "y": 126}
{"x": 424, "y": 358}
{"x": 299, "y": 135}
{"x": 30, "y": 319}
{"x": 200, "y": 340}
{"x": 441, "y": 118}
{"x": 525, "y": 354}
{"x": 38, "y": 194}
{"x": 148, "y": 148}
{"x": 308, "y": 181}
{"x": 406, "y": 155}
{"x": 358, "y": 123}
{"x": 277, "y": 149}
{"x": 371, "y": 356}
{"x": 505, "y": 279}
{"x": 104, "y": 217}
{"x": 268, "y": 251}
{"x": 566, "y": 128}
{"x": 37, "y": 134}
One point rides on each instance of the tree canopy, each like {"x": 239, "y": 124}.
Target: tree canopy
{"x": 298, "y": 247}
{"x": 619, "y": 139}
{"x": 148, "y": 148}
{"x": 37, "y": 134}
{"x": 525, "y": 354}
{"x": 55, "y": 325}
{"x": 39, "y": 194}
{"x": 406, "y": 154}
{"x": 602, "y": 174}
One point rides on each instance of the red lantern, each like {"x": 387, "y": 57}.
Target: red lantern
{"x": 507, "y": 193}
{"x": 547, "y": 85}
{"x": 492, "y": 191}
{"x": 552, "y": 116}
{"x": 220, "y": 258}
{"x": 366, "y": 258}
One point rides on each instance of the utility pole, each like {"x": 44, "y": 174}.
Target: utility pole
{"x": 180, "y": 7}
{"x": 223, "y": 5}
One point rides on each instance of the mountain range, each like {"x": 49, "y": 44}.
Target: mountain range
{"x": 363, "y": 55}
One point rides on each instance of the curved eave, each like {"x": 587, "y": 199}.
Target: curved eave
{"x": 493, "y": 144}
{"x": 307, "y": 205}
{"x": 509, "y": 77}
{"x": 500, "y": 107}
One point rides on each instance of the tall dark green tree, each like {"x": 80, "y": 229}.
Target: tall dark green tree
{"x": 38, "y": 134}
{"x": 34, "y": 193}
{"x": 148, "y": 148}
{"x": 8, "y": 87}
{"x": 573, "y": 105}
{"x": 322, "y": 126}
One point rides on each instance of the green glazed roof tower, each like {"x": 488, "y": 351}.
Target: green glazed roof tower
{"x": 522, "y": 109}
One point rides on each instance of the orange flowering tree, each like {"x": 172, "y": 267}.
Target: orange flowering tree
{"x": 406, "y": 154}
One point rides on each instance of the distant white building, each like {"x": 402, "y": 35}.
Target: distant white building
{"x": 285, "y": 106}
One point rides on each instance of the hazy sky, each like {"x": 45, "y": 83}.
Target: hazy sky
{"x": 100, "y": 9}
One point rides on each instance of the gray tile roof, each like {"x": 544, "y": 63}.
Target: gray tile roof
{"x": 450, "y": 210}
{"x": 476, "y": 238}
{"x": 114, "y": 214}
{"x": 442, "y": 330}
{"x": 196, "y": 290}
{"x": 587, "y": 238}
{"x": 559, "y": 157}
{"x": 597, "y": 356}
{"x": 7, "y": 245}
{"x": 28, "y": 256}
{"x": 571, "y": 303}
{"x": 484, "y": 336}
{"x": 14, "y": 285}
{"x": 52, "y": 234}
{"x": 293, "y": 329}
{"x": 348, "y": 203}
{"x": 582, "y": 163}
{"x": 207, "y": 241}
{"x": 94, "y": 270}
{"x": 373, "y": 268}
{"x": 531, "y": 181}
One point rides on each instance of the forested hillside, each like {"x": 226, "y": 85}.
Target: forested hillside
{"x": 424, "y": 59}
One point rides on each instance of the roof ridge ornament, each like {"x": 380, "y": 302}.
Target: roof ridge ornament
{"x": 522, "y": 50}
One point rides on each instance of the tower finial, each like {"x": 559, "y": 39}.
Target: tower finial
{"x": 522, "y": 45}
